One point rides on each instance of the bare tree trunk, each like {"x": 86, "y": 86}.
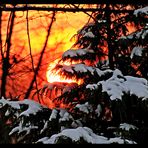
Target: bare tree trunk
{"x": 110, "y": 48}
{"x": 40, "y": 58}
{"x": 5, "y": 61}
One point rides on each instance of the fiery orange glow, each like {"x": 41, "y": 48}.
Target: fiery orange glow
{"x": 66, "y": 25}
{"x": 54, "y": 76}
{"x": 136, "y": 67}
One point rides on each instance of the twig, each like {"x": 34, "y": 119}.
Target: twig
{"x": 30, "y": 50}
{"x": 41, "y": 8}
{"x": 41, "y": 56}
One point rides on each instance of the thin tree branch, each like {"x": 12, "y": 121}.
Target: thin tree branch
{"x": 110, "y": 49}
{"x": 7, "y": 33}
{"x": 41, "y": 56}
{"x": 85, "y": 12}
{"x": 6, "y": 60}
{"x": 30, "y": 50}
{"x": 41, "y": 8}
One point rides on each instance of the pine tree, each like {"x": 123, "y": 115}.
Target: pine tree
{"x": 104, "y": 52}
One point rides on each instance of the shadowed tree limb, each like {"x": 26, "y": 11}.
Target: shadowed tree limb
{"x": 41, "y": 56}
{"x": 32, "y": 61}
{"x": 6, "y": 58}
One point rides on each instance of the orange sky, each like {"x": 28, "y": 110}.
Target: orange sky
{"x": 64, "y": 27}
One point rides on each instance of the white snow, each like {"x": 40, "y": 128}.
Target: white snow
{"x": 16, "y": 129}
{"x": 118, "y": 84}
{"x": 137, "y": 86}
{"x": 43, "y": 140}
{"x": 13, "y": 104}
{"x": 67, "y": 69}
{"x": 85, "y": 133}
{"x": 92, "y": 86}
{"x": 75, "y": 134}
{"x": 85, "y": 29}
{"x": 89, "y": 35}
{"x": 101, "y": 73}
{"x": 76, "y": 123}
{"x": 81, "y": 69}
{"x": 33, "y": 107}
{"x": 7, "y": 113}
{"x": 82, "y": 52}
{"x": 144, "y": 34}
{"x": 127, "y": 127}
{"x": 86, "y": 108}
{"x": 70, "y": 53}
{"x": 116, "y": 87}
{"x": 136, "y": 35}
{"x": 141, "y": 11}
{"x": 45, "y": 127}
{"x": 53, "y": 115}
{"x": 136, "y": 51}
{"x": 64, "y": 116}
{"x": 98, "y": 110}
{"x": 119, "y": 140}
{"x": 19, "y": 129}
{"x": 102, "y": 21}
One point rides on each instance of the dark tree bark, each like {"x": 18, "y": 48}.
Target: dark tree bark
{"x": 6, "y": 59}
{"x": 32, "y": 61}
{"x": 40, "y": 58}
{"x": 110, "y": 48}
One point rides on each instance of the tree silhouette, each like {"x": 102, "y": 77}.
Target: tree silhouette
{"x": 105, "y": 52}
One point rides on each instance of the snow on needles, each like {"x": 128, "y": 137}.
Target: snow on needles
{"x": 141, "y": 11}
{"x": 136, "y": 35}
{"x": 137, "y": 51}
{"x": 84, "y": 133}
{"x": 83, "y": 69}
{"x": 71, "y": 53}
{"x": 127, "y": 127}
{"x": 53, "y": 115}
{"x": 13, "y": 104}
{"x": 64, "y": 115}
{"x": 86, "y": 108}
{"x": 75, "y": 134}
{"x": 32, "y": 106}
{"x": 24, "y": 108}
{"x": 19, "y": 129}
{"x": 118, "y": 84}
{"x": 89, "y": 35}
